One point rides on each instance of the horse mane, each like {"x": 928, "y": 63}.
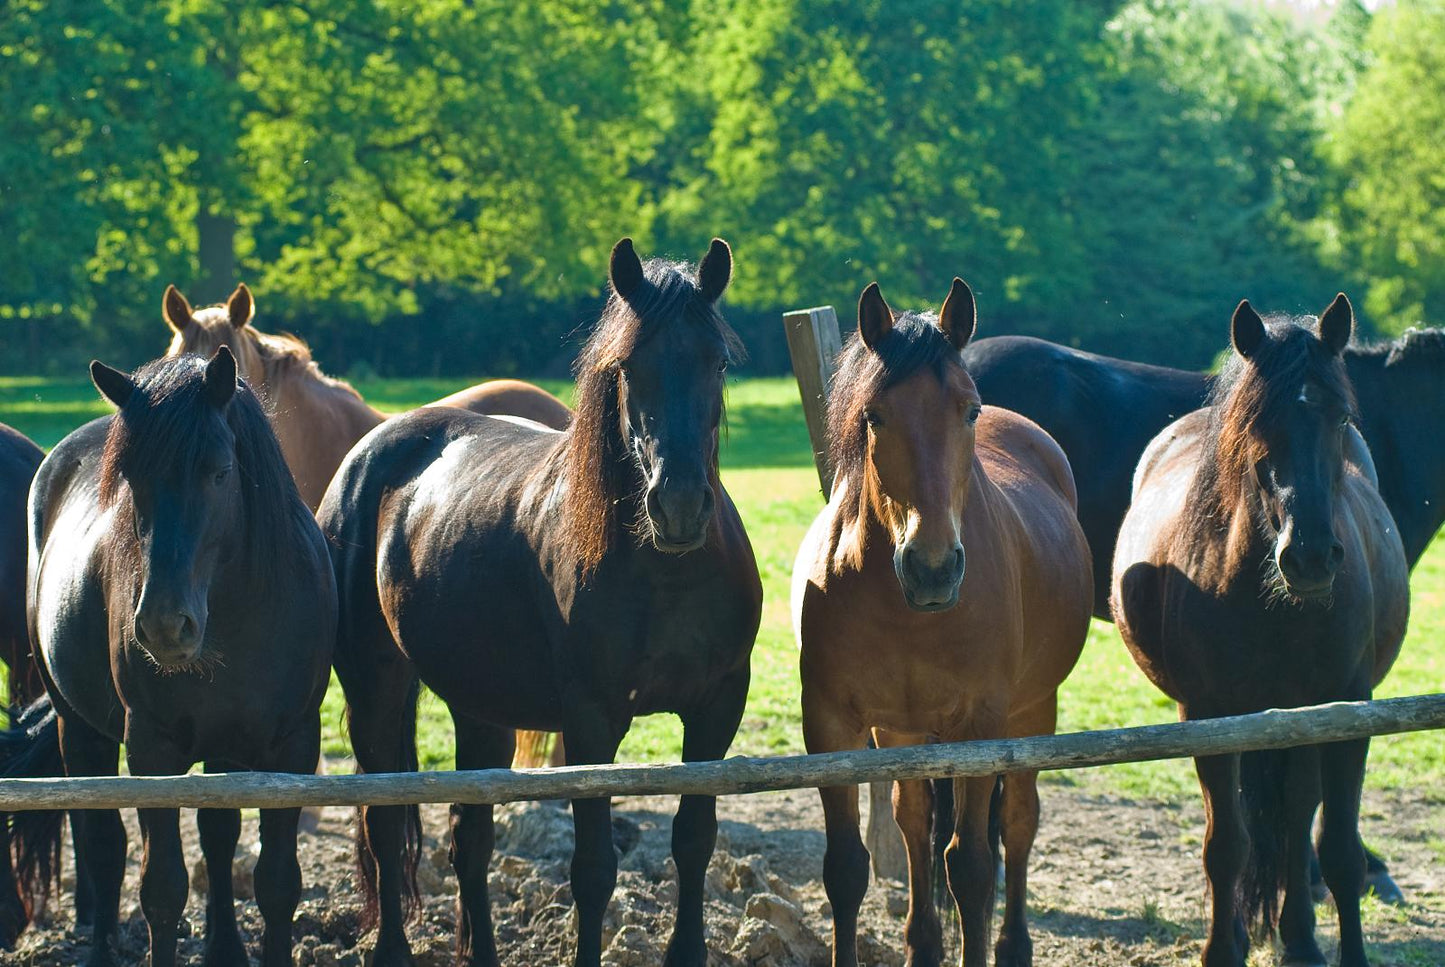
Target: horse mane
{"x": 593, "y": 454}
{"x": 162, "y": 429}
{"x": 915, "y": 342}
{"x": 278, "y": 354}
{"x": 1424, "y": 344}
{"x": 1253, "y": 393}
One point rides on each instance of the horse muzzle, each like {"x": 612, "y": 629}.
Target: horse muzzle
{"x": 171, "y": 636}
{"x": 1309, "y": 574}
{"x": 680, "y": 515}
{"x": 929, "y": 584}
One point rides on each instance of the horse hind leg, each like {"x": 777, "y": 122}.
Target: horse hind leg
{"x": 100, "y": 842}
{"x": 913, "y": 811}
{"x": 479, "y": 746}
{"x": 706, "y": 734}
{"x": 845, "y": 859}
{"x": 381, "y": 698}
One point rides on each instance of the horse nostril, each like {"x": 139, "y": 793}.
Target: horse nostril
{"x": 1337, "y": 554}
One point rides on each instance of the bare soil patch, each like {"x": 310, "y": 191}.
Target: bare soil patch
{"x": 1113, "y": 881}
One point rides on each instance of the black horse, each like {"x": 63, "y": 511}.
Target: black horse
{"x": 1104, "y": 411}
{"x": 18, "y": 460}
{"x": 181, "y": 601}
{"x": 562, "y": 581}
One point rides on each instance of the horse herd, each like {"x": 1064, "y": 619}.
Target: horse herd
{"x": 550, "y": 570}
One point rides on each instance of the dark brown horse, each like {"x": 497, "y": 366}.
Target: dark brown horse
{"x": 899, "y": 637}
{"x": 1259, "y": 568}
{"x": 563, "y": 581}
{"x": 181, "y": 601}
{"x": 18, "y": 460}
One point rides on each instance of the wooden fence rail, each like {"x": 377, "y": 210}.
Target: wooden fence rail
{"x": 1264, "y": 730}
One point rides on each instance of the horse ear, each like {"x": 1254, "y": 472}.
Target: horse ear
{"x": 715, "y": 271}
{"x": 959, "y": 315}
{"x": 221, "y": 378}
{"x": 875, "y": 319}
{"x": 240, "y": 307}
{"x": 1337, "y": 323}
{"x": 625, "y": 269}
{"x": 112, "y": 383}
{"x": 176, "y": 309}
{"x": 1246, "y": 329}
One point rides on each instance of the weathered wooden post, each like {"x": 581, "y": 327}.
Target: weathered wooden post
{"x": 814, "y": 341}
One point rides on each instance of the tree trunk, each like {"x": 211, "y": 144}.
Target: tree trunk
{"x": 217, "y": 253}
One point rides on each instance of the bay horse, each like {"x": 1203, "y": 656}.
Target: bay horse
{"x": 318, "y": 418}
{"x": 181, "y": 601}
{"x": 944, "y": 592}
{"x": 559, "y": 581}
{"x": 1258, "y": 567}
{"x": 18, "y": 460}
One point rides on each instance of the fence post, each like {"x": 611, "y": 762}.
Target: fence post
{"x": 814, "y": 341}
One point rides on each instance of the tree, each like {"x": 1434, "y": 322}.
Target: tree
{"x": 1388, "y": 145}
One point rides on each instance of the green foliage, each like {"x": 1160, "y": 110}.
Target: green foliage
{"x": 1388, "y": 145}
{"x": 432, "y": 186}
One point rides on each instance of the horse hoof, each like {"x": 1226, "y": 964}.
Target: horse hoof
{"x": 1384, "y": 888}
{"x": 1009, "y": 952}
{"x": 227, "y": 953}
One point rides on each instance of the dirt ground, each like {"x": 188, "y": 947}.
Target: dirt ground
{"x": 1113, "y": 881}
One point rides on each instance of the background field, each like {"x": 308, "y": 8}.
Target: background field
{"x": 769, "y": 472}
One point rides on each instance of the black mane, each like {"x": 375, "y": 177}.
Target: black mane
{"x": 163, "y": 429}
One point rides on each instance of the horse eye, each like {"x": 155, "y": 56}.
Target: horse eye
{"x": 220, "y": 476}
{"x": 872, "y": 418}
{"x": 973, "y": 413}
{"x": 1344, "y": 421}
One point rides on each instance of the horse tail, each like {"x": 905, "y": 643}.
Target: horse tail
{"x": 534, "y": 749}
{"x": 372, "y": 671}
{"x": 411, "y": 830}
{"x": 1263, "y": 792}
{"x": 30, "y": 749}
{"x": 943, "y": 822}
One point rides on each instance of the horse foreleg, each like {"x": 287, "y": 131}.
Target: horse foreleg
{"x": 913, "y": 812}
{"x": 1226, "y": 847}
{"x": 706, "y": 734}
{"x": 278, "y": 873}
{"x": 592, "y": 739}
{"x": 479, "y": 746}
{"x": 1297, "y": 916}
{"x": 845, "y": 859}
{"x": 971, "y": 866}
{"x": 220, "y": 830}
{"x": 1342, "y": 859}
{"x": 162, "y": 879}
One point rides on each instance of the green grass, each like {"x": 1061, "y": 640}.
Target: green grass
{"x": 768, "y": 470}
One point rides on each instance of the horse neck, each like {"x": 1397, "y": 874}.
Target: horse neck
{"x": 1400, "y": 407}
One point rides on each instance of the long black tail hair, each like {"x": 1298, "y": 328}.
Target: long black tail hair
{"x": 30, "y": 749}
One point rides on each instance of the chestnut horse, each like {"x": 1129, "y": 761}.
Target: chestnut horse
{"x": 897, "y": 639}
{"x": 1258, "y": 567}
{"x": 181, "y": 602}
{"x": 564, "y": 581}
{"x": 318, "y": 418}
